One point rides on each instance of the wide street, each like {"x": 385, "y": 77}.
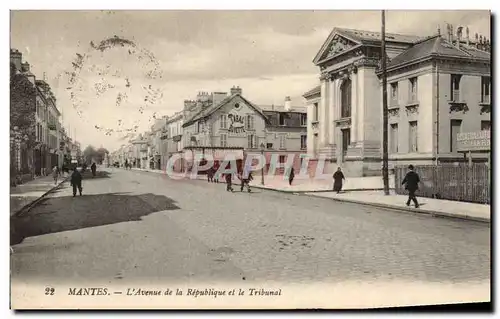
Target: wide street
{"x": 132, "y": 226}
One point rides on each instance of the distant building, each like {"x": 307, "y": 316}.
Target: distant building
{"x": 345, "y": 110}
{"x": 221, "y": 124}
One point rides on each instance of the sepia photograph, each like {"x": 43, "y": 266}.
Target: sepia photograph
{"x": 250, "y": 159}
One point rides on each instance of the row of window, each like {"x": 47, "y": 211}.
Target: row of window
{"x": 253, "y": 141}
{"x": 346, "y": 88}
{"x": 249, "y": 121}
{"x": 454, "y": 89}
{"x": 455, "y": 128}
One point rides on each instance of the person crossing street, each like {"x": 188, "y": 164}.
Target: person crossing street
{"x": 55, "y": 174}
{"x": 76, "y": 181}
{"x": 93, "y": 168}
{"x": 411, "y": 181}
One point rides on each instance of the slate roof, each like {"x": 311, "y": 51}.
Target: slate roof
{"x": 214, "y": 107}
{"x": 364, "y": 36}
{"x": 281, "y": 109}
{"x": 436, "y": 46}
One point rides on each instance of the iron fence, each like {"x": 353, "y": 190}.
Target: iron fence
{"x": 448, "y": 181}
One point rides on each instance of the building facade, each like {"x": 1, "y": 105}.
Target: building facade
{"x": 345, "y": 110}
{"x": 174, "y": 138}
{"x": 231, "y": 122}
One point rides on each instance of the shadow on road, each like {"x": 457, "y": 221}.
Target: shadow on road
{"x": 57, "y": 214}
{"x": 87, "y": 175}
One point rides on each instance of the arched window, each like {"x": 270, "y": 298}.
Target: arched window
{"x": 345, "y": 92}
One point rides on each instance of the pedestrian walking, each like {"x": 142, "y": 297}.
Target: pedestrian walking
{"x": 411, "y": 181}
{"x": 76, "y": 182}
{"x": 291, "y": 176}
{"x": 93, "y": 168}
{"x": 338, "y": 178}
{"x": 245, "y": 180}
{"x": 55, "y": 173}
{"x": 216, "y": 172}
{"x": 229, "y": 182}
{"x": 210, "y": 175}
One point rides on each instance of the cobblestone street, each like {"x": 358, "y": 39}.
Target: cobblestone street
{"x": 137, "y": 226}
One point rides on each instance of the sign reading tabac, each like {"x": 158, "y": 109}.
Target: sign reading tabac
{"x": 473, "y": 141}
{"x": 237, "y": 124}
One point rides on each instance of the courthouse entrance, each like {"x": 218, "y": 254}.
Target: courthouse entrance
{"x": 346, "y": 138}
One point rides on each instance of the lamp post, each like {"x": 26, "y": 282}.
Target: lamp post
{"x": 262, "y": 147}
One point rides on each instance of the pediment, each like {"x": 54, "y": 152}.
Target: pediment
{"x": 334, "y": 45}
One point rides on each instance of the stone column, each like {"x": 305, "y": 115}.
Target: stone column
{"x": 332, "y": 106}
{"x": 323, "y": 115}
{"x": 354, "y": 105}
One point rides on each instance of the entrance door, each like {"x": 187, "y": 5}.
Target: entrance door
{"x": 346, "y": 139}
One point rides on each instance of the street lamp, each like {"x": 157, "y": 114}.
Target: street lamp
{"x": 262, "y": 147}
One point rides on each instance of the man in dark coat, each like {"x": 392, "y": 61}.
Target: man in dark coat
{"x": 245, "y": 180}
{"x": 411, "y": 180}
{"x": 229, "y": 182}
{"x": 93, "y": 168}
{"x": 210, "y": 175}
{"x": 338, "y": 177}
{"x": 291, "y": 176}
{"x": 76, "y": 181}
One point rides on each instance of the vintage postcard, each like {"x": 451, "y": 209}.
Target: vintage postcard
{"x": 170, "y": 159}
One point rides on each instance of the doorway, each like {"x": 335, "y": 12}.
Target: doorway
{"x": 346, "y": 139}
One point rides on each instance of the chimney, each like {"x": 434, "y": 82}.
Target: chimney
{"x": 217, "y": 97}
{"x": 459, "y": 36}
{"x": 25, "y": 67}
{"x": 451, "y": 33}
{"x": 236, "y": 90}
{"x": 288, "y": 103}
{"x": 480, "y": 45}
{"x": 16, "y": 58}
{"x": 188, "y": 104}
{"x": 467, "y": 39}
{"x": 439, "y": 30}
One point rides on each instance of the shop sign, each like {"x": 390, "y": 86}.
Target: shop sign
{"x": 474, "y": 141}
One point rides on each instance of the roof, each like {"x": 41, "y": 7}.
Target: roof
{"x": 436, "y": 46}
{"x": 214, "y": 108}
{"x": 313, "y": 91}
{"x": 364, "y": 36}
{"x": 281, "y": 109}
{"x": 360, "y": 38}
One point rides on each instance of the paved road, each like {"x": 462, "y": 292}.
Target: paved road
{"x": 143, "y": 227}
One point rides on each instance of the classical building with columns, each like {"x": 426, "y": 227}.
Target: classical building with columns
{"x": 345, "y": 110}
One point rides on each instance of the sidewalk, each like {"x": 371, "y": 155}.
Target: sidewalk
{"x": 280, "y": 183}
{"x": 366, "y": 191}
{"x": 28, "y": 194}
{"x": 435, "y": 207}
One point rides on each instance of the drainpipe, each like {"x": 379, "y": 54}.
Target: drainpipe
{"x": 437, "y": 112}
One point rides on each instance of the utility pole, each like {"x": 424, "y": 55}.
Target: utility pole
{"x": 385, "y": 151}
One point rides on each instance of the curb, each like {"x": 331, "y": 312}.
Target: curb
{"x": 378, "y": 205}
{"x": 318, "y": 191}
{"x": 408, "y": 209}
{"x": 26, "y": 208}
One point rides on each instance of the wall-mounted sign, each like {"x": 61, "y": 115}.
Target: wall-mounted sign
{"x": 237, "y": 124}
{"x": 474, "y": 141}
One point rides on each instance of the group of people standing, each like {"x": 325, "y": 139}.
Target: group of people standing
{"x": 245, "y": 176}
{"x": 411, "y": 180}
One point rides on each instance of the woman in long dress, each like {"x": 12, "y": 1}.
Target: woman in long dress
{"x": 338, "y": 177}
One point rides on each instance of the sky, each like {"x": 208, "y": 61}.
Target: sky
{"x": 176, "y": 54}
